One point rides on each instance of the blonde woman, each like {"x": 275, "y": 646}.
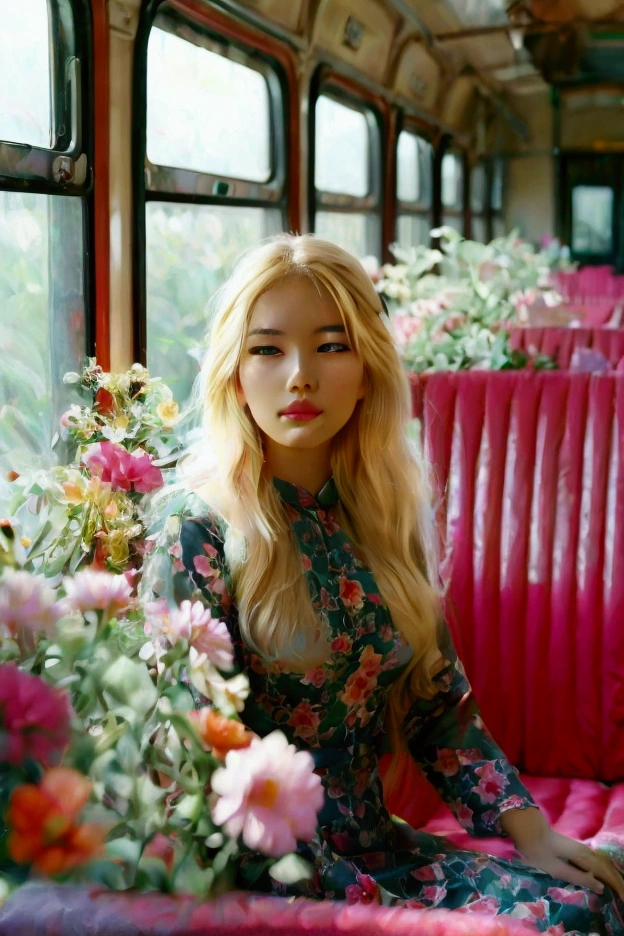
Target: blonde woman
{"x": 308, "y": 532}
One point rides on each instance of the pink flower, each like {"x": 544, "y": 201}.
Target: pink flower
{"x": 447, "y": 762}
{"x": 27, "y": 606}
{"x": 269, "y": 793}
{"x": 96, "y": 590}
{"x": 405, "y": 327}
{"x": 157, "y": 618}
{"x": 489, "y": 905}
{"x": 34, "y": 718}
{"x": 194, "y": 622}
{"x": 568, "y": 895}
{"x": 365, "y": 891}
{"x": 123, "y": 469}
{"x": 491, "y": 783}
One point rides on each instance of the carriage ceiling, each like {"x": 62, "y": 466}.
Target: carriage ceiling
{"x": 436, "y": 53}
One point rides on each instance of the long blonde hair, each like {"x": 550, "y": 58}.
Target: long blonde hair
{"x": 383, "y": 501}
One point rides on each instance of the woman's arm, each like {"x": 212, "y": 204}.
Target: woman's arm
{"x": 448, "y": 740}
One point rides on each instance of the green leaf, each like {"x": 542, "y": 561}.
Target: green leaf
{"x": 290, "y": 869}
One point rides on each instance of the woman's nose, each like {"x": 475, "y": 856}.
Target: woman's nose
{"x": 303, "y": 376}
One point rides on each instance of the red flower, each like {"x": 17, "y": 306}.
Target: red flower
{"x": 351, "y": 593}
{"x": 104, "y": 402}
{"x": 34, "y": 718}
{"x": 305, "y": 720}
{"x": 42, "y": 818}
{"x": 365, "y": 891}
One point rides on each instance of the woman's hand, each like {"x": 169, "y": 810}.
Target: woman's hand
{"x": 558, "y": 855}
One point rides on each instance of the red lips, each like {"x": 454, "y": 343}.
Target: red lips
{"x": 301, "y": 406}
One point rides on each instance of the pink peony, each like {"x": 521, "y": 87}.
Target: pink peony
{"x": 123, "y": 469}
{"x": 95, "y": 590}
{"x": 27, "y": 606}
{"x": 269, "y": 793}
{"x": 34, "y": 718}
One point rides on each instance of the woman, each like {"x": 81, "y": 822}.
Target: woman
{"x": 316, "y": 549}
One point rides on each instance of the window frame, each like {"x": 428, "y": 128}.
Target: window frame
{"x": 330, "y": 85}
{"x": 153, "y": 183}
{"x": 420, "y": 208}
{"x": 66, "y": 168}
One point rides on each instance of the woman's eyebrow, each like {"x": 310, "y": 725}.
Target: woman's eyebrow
{"x": 276, "y": 331}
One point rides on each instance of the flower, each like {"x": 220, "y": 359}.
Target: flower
{"x": 227, "y": 694}
{"x": 304, "y": 720}
{"x": 93, "y": 589}
{"x": 123, "y": 469}
{"x": 168, "y": 412}
{"x": 192, "y": 621}
{"x": 42, "y": 818}
{"x": 27, "y": 605}
{"x": 270, "y": 794}
{"x": 34, "y": 718}
{"x": 218, "y": 733}
{"x": 365, "y": 891}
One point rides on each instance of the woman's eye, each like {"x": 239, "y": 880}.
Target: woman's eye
{"x": 261, "y": 349}
{"x": 334, "y": 344}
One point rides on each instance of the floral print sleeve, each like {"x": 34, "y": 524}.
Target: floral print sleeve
{"x": 449, "y": 742}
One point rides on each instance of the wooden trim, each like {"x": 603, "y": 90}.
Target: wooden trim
{"x": 101, "y": 163}
{"x": 233, "y": 30}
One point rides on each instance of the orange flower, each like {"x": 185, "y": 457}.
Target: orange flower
{"x": 219, "y": 733}
{"x": 42, "y": 818}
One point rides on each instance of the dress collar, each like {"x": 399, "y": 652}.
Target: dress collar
{"x": 298, "y": 496}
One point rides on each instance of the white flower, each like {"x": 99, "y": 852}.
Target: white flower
{"x": 228, "y": 695}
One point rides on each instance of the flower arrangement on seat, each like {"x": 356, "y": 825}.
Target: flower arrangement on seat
{"x": 459, "y": 318}
{"x": 109, "y": 772}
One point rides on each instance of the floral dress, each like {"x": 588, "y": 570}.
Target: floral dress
{"x": 336, "y": 712}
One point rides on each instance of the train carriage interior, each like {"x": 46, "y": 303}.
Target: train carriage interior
{"x": 471, "y": 154}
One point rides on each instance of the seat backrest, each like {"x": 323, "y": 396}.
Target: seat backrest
{"x": 561, "y": 343}
{"x": 529, "y": 474}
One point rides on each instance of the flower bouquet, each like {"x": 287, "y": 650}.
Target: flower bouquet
{"x": 458, "y": 318}
{"x": 123, "y": 760}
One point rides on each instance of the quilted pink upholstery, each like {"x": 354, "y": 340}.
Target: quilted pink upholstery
{"x": 529, "y": 474}
{"x": 54, "y": 910}
{"x": 560, "y": 343}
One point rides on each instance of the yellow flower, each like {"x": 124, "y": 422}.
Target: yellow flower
{"x": 169, "y": 412}
{"x": 25, "y": 541}
{"x": 72, "y": 492}
{"x": 115, "y": 546}
{"x": 121, "y": 422}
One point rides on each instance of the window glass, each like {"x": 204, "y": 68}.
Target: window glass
{"x": 413, "y": 230}
{"x": 205, "y": 112}
{"x": 190, "y": 251}
{"x": 479, "y": 229}
{"x": 408, "y": 167}
{"x": 42, "y": 323}
{"x": 357, "y": 233}
{"x": 478, "y": 188}
{"x": 25, "y": 73}
{"x": 498, "y": 226}
{"x": 453, "y": 221}
{"x": 592, "y": 219}
{"x": 497, "y": 185}
{"x": 452, "y": 181}
{"x": 342, "y": 148}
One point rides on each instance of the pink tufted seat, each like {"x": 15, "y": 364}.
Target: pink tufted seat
{"x": 561, "y": 343}
{"x": 528, "y": 470}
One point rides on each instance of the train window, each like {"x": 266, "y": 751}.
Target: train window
{"x": 414, "y": 189}
{"x": 24, "y": 53}
{"x": 592, "y": 219}
{"x": 215, "y": 182}
{"x": 206, "y": 112}
{"x": 497, "y": 193}
{"x": 453, "y": 191}
{"x": 44, "y": 179}
{"x": 346, "y": 160}
{"x": 341, "y": 148}
{"x": 478, "y": 201}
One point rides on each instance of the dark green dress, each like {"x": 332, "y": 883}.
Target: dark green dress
{"x": 337, "y": 712}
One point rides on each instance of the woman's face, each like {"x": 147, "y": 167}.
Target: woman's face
{"x": 306, "y": 356}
